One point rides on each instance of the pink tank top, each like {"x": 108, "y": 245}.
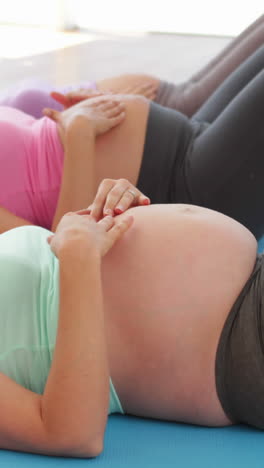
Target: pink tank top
{"x": 31, "y": 162}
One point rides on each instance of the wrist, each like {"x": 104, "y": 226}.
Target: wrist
{"x": 78, "y": 248}
{"x": 79, "y": 126}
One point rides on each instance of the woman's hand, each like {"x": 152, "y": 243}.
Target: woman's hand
{"x": 79, "y": 230}
{"x": 148, "y": 90}
{"x": 114, "y": 197}
{"x": 73, "y": 97}
{"x": 99, "y": 114}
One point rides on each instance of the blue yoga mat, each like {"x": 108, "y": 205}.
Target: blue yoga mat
{"x": 261, "y": 245}
{"x": 137, "y": 443}
{"x": 140, "y": 443}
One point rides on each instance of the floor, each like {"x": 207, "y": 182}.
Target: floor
{"x": 83, "y": 55}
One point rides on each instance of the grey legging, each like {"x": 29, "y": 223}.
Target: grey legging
{"x": 227, "y": 170}
{"x": 189, "y": 96}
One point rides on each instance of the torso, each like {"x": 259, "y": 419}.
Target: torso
{"x": 31, "y": 161}
{"x": 169, "y": 285}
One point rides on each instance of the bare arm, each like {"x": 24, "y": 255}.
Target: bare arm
{"x": 79, "y": 126}
{"x": 74, "y": 406}
{"x": 77, "y": 188}
{"x": 76, "y": 399}
{"x": 69, "y": 418}
{"x": 9, "y": 221}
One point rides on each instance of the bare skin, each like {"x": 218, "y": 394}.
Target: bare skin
{"x": 119, "y": 152}
{"x": 168, "y": 287}
{"x": 143, "y": 84}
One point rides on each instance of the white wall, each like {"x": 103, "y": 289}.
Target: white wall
{"x": 33, "y": 12}
{"x": 219, "y": 17}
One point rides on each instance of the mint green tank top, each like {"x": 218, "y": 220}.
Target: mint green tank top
{"x": 29, "y": 293}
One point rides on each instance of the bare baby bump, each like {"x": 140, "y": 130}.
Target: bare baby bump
{"x": 169, "y": 285}
{"x": 179, "y": 254}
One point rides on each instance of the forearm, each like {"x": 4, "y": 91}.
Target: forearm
{"x": 77, "y": 188}
{"x": 76, "y": 397}
{"x": 10, "y": 221}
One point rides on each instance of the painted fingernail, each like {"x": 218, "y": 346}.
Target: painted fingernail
{"x": 119, "y": 210}
{"x": 146, "y": 201}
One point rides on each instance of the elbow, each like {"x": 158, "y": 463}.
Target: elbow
{"x": 83, "y": 450}
{"x": 91, "y": 451}
{"x": 97, "y": 449}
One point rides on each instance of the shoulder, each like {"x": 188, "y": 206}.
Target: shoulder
{"x": 24, "y": 236}
{"x": 25, "y": 245}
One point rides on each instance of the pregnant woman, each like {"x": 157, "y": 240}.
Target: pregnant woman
{"x": 154, "y": 313}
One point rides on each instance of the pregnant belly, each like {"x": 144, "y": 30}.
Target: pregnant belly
{"x": 169, "y": 285}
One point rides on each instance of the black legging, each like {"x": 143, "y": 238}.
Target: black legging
{"x": 222, "y": 167}
{"x": 226, "y": 166}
